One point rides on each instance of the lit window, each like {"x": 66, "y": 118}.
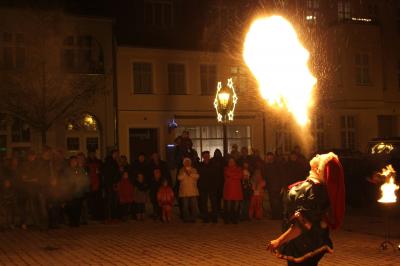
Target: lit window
{"x": 142, "y": 78}
{"x": 344, "y": 10}
{"x": 83, "y": 121}
{"x": 12, "y": 51}
{"x": 158, "y": 13}
{"x": 176, "y": 79}
{"x": 208, "y": 79}
{"x": 362, "y": 69}
{"x": 347, "y": 125}
{"x": 210, "y": 138}
{"x": 312, "y": 11}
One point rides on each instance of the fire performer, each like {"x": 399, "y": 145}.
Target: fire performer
{"x": 312, "y": 208}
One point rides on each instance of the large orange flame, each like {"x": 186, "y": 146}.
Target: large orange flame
{"x": 278, "y": 61}
{"x": 389, "y": 188}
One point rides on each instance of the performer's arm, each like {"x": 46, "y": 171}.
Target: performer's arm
{"x": 293, "y": 232}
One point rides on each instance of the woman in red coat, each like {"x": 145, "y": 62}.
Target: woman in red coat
{"x": 233, "y": 193}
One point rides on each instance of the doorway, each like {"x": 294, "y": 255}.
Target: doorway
{"x": 142, "y": 140}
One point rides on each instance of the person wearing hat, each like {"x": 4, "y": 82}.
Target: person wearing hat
{"x": 188, "y": 190}
{"x": 312, "y": 208}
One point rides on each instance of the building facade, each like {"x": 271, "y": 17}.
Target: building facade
{"x": 71, "y": 45}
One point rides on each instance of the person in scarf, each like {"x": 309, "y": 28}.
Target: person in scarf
{"x": 313, "y": 207}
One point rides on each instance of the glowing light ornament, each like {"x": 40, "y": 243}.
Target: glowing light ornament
{"x": 278, "y": 61}
{"x": 389, "y": 188}
{"x": 225, "y": 101}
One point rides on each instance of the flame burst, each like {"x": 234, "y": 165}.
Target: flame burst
{"x": 389, "y": 188}
{"x": 278, "y": 60}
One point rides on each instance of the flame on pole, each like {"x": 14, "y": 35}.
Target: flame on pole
{"x": 278, "y": 61}
{"x": 389, "y": 188}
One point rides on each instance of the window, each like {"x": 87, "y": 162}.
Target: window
{"x": 344, "y": 10}
{"x": 176, "y": 79}
{"x": 3, "y": 122}
{"x": 362, "y": 69}
{"x": 210, "y": 138}
{"x": 92, "y": 143}
{"x": 3, "y": 146}
{"x": 73, "y": 144}
{"x": 283, "y": 138}
{"x": 158, "y": 14}
{"x": 318, "y": 132}
{"x": 239, "y": 77}
{"x": 12, "y": 51}
{"x": 312, "y": 11}
{"x": 347, "y": 125}
{"x": 82, "y": 54}
{"x": 398, "y": 74}
{"x": 208, "y": 79}
{"x": 20, "y": 131}
{"x": 387, "y": 126}
{"x": 142, "y": 78}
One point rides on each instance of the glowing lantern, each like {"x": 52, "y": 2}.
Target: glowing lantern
{"x": 225, "y": 101}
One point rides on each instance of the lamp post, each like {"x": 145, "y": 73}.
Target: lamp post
{"x": 224, "y": 103}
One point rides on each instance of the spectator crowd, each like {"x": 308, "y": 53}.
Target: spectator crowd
{"x": 45, "y": 190}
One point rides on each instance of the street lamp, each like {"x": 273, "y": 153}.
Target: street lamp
{"x": 224, "y": 103}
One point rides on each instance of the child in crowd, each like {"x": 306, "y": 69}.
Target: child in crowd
{"x": 125, "y": 194}
{"x": 256, "y": 202}
{"x": 155, "y": 184}
{"x": 8, "y": 204}
{"x": 165, "y": 197}
{"x": 140, "y": 196}
{"x": 247, "y": 191}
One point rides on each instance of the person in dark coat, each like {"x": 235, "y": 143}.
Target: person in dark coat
{"x": 111, "y": 176}
{"x": 157, "y": 163}
{"x": 218, "y": 162}
{"x": 274, "y": 183}
{"x": 208, "y": 185}
{"x": 141, "y": 165}
{"x": 295, "y": 170}
{"x": 154, "y": 186}
{"x": 94, "y": 166}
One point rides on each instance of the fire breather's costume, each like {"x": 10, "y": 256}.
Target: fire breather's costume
{"x": 314, "y": 207}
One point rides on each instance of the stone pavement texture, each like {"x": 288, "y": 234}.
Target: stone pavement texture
{"x": 155, "y": 243}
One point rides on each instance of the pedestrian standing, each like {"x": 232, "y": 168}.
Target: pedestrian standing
{"x": 247, "y": 191}
{"x": 233, "y": 193}
{"x": 165, "y": 197}
{"x": 208, "y": 188}
{"x": 256, "y": 202}
{"x": 188, "y": 190}
{"x": 125, "y": 191}
{"x": 140, "y": 196}
{"x": 111, "y": 176}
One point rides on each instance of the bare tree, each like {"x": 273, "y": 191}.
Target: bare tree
{"x": 42, "y": 92}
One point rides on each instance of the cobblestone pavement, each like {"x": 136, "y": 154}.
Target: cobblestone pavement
{"x": 154, "y": 243}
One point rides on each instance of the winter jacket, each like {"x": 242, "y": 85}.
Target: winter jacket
{"x": 111, "y": 172}
{"x": 209, "y": 177}
{"x": 165, "y": 196}
{"x": 233, "y": 187}
{"x": 125, "y": 191}
{"x": 140, "y": 192}
{"x": 94, "y": 166}
{"x": 188, "y": 182}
